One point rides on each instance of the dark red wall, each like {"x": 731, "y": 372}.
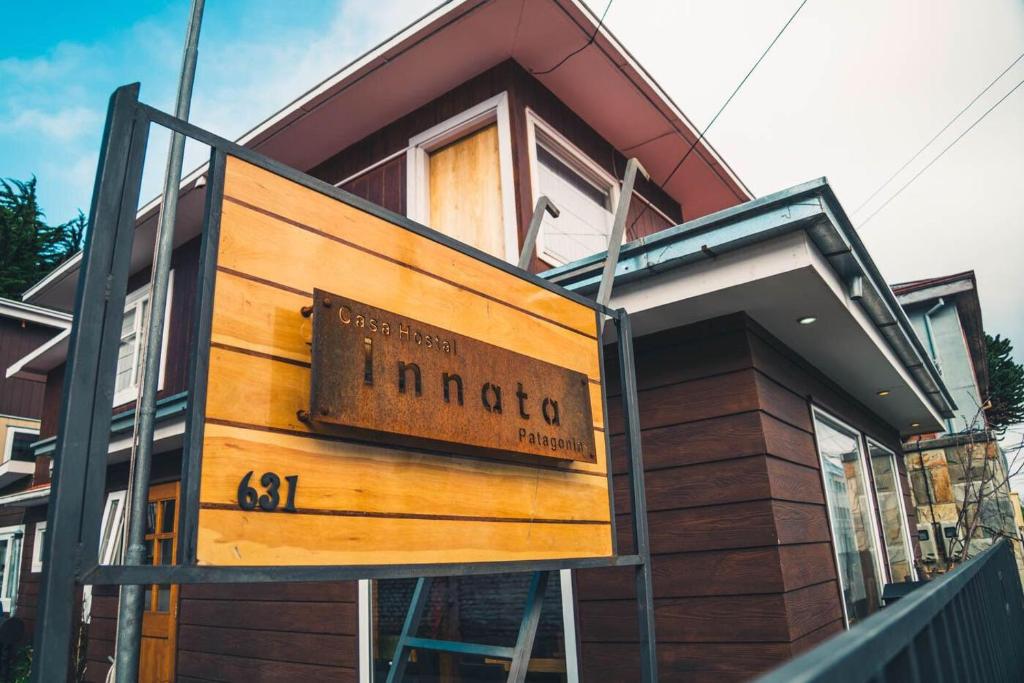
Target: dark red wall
{"x": 744, "y": 571}
{"x": 21, "y": 397}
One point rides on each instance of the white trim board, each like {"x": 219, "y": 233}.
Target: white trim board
{"x": 417, "y": 167}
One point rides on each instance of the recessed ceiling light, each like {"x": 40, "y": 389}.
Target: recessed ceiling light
{"x": 883, "y": 393}
{"x": 807, "y": 320}
{"x": 915, "y": 424}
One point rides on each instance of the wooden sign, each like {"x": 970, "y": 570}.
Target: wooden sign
{"x": 389, "y": 476}
{"x": 397, "y": 380}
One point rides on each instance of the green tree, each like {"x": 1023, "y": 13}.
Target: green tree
{"x": 1005, "y": 385}
{"x": 29, "y": 247}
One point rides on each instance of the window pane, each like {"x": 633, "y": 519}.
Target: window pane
{"x": 585, "y": 220}
{"x": 166, "y": 550}
{"x": 21, "y": 443}
{"x": 108, "y": 527}
{"x": 163, "y": 599}
{"x": 167, "y": 516}
{"x": 887, "y": 495}
{"x": 125, "y": 359}
{"x": 477, "y": 609}
{"x": 850, "y": 511}
{"x": 151, "y": 518}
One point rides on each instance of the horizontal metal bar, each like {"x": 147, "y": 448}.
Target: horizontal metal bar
{"x": 234, "y": 149}
{"x": 496, "y": 651}
{"x": 123, "y": 575}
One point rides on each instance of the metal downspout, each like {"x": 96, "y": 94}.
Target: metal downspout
{"x": 930, "y": 334}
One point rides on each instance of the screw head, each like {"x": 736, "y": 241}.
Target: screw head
{"x": 306, "y": 311}
{"x": 327, "y": 302}
{"x": 302, "y": 415}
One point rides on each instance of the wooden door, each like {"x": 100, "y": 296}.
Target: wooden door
{"x": 160, "y": 619}
{"x": 465, "y": 191}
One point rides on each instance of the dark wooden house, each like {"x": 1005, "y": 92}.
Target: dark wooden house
{"x": 777, "y": 373}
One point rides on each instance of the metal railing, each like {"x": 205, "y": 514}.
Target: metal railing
{"x": 967, "y": 625}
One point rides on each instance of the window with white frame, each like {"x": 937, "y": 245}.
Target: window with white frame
{"x": 111, "y": 538}
{"x": 129, "y": 355}
{"x": 18, "y": 444}
{"x": 851, "y": 514}
{"x": 11, "y": 538}
{"x": 584, "y": 193}
{"x": 38, "y": 543}
{"x": 891, "y": 512}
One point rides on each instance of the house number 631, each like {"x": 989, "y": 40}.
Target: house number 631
{"x": 249, "y": 498}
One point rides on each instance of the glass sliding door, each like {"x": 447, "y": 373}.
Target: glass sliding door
{"x": 891, "y": 513}
{"x": 850, "y": 508}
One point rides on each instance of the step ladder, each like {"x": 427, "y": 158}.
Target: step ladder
{"x": 518, "y": 655}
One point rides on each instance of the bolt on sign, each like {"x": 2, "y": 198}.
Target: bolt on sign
{"x": 375, "y": 395}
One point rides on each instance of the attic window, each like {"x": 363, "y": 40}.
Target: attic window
{"x": 583, "y": 192}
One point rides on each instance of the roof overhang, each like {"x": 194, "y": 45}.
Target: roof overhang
{"x": 439, "y": 51}
{"x": 780, "y": 258}
{"x": 36, "y": 495}
{"x": 41, "y": 360}
{"x": 35, "y": 314}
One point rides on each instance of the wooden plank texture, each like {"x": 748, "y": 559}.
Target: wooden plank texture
{"x": 357, "y": 503}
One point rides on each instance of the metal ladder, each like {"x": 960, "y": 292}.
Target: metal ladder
{"x": 518, "y": 654}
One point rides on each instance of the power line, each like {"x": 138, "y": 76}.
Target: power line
{"x": 585, "y": 45}
{"x": 940, "y": 155}
{"x": 936, "y": 136}
{"x": 721, "y": 109}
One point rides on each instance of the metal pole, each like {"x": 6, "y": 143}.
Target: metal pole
{"x": 644, "y": 581}
{"x": 84, "y": 432}
{"x": 543, "y": 204}
{"x": 130, "y": 607}
{"x": 604, "y": 292}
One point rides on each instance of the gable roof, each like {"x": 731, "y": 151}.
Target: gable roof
{"x": 446, "y": 47}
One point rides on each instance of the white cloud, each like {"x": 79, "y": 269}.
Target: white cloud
{"x": 62, "y": 124}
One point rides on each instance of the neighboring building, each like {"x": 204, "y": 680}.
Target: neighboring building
{"x": 959, "y": 475}
{"x": 778, "y": 502}
{"x": 23, "y": 328}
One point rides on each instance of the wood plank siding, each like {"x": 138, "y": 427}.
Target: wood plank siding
{"x": 744, "y": 570}
{"x": 21, "y": 397}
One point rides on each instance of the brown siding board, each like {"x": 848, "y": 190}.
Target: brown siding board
{"x": 279, "y": 646}
{"x": 729, "y": 481}
{"x": 812, "y": 607}
{"x": 302, "y": 617}
{"x": 806, "y": 564}
{"x": 21, "y": 397}
{"x": 709, "y": 440}
{"x": 794, "y": 483}
{"x": 785, "y": 441}
{"x": 231, "y": 669}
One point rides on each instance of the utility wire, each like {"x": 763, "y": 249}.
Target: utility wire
{"x": 936, "y": 136}
{"x": 946, "y": 149}
{"x": 585, "y": 45}
{"x": 700, "y": 137}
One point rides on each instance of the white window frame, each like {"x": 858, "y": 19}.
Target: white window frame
{"x": 109, "y": 554}
{"x": 417, "y": 167}
{"x": 11, "y": 572}
{"x": 37, "y": 547}
{"x": 134, "y": 299}
{"x": 9, "y": 440}
{"x": 573, "y": 157}
{"x": 881, "y": 572}
{"x": 365, "y": 601}
{"x": 868, "y": 443}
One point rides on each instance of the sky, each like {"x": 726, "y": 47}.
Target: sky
{"x": 850, "y": 92}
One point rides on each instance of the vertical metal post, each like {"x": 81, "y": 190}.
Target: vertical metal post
{"x": 530, "y": 243}
{"x": 84, "y": 431}
{"x": 528, "y": 628}
{"x": 130, "y": 608}
{"x": 643, "y": 578}
{"x": 604, "y": 292}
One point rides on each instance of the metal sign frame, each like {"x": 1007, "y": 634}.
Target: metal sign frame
{"x": 77, "y": 489}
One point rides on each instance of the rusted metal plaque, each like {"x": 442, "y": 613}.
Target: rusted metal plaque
{"x": 392, "y": 379}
